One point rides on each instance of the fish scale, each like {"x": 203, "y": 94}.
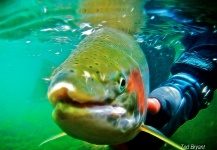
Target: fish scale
{"x": 124, "y": 15}
{"x": 108, "y": 46}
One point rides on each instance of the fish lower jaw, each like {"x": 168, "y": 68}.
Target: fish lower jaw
{"x": 107, "y": 110}
{"x": 90, "y": 123}
{"x": 93, "y": 109}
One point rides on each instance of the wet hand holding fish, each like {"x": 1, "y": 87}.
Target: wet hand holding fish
{"x": 100, "y": 91}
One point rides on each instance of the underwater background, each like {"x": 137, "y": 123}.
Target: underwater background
{"x": 38, "y": 35}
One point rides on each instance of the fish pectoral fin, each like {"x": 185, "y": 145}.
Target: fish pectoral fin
{"x": 53, "y": 138}
{"x": 158, "y": 134}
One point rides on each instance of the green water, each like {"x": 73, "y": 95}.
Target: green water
{"x": 35, "y": 37}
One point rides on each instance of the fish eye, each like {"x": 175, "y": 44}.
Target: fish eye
{"x": 122, "y": 83}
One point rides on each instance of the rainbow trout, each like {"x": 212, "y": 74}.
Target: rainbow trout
{"x": 99, "y": 92}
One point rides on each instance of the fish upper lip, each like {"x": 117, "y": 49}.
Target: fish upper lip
{"x": 62, "y": 96}
{"x": 69, "y": 101}
{"x": 73, "y": 103}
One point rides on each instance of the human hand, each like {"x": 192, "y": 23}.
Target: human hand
{"x": 153, "y": 105}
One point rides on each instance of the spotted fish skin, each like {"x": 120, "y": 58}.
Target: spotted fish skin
{"x": 124, "y": 15}
{"x": 99, "y": 92}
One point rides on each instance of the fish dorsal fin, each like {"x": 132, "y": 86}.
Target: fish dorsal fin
{"x": 53, "y": 138}
{"x": 158, "y": 134}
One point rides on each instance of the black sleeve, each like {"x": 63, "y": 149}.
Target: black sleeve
{"x": 192, "y": 85}
{"x": 199, "y": 58}
{"x": 180, "y": 99}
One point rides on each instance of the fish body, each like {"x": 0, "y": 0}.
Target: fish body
{"x": 100, "y": 91}
{"x": 124, "y": 15}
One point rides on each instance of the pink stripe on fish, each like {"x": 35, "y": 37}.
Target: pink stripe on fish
{"x": 136, "y": 83}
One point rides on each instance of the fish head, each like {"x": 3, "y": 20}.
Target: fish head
{"x": 98, "y": 94}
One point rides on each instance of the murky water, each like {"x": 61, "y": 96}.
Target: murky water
{"x": 37, "y": 35}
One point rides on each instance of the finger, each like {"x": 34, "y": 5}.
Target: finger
{"x": 153, "y": 105}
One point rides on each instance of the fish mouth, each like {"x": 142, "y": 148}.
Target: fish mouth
{"x": 88, "y": 120}
{"x": 62, "y": 96}
{"x": 65, "y": 97}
